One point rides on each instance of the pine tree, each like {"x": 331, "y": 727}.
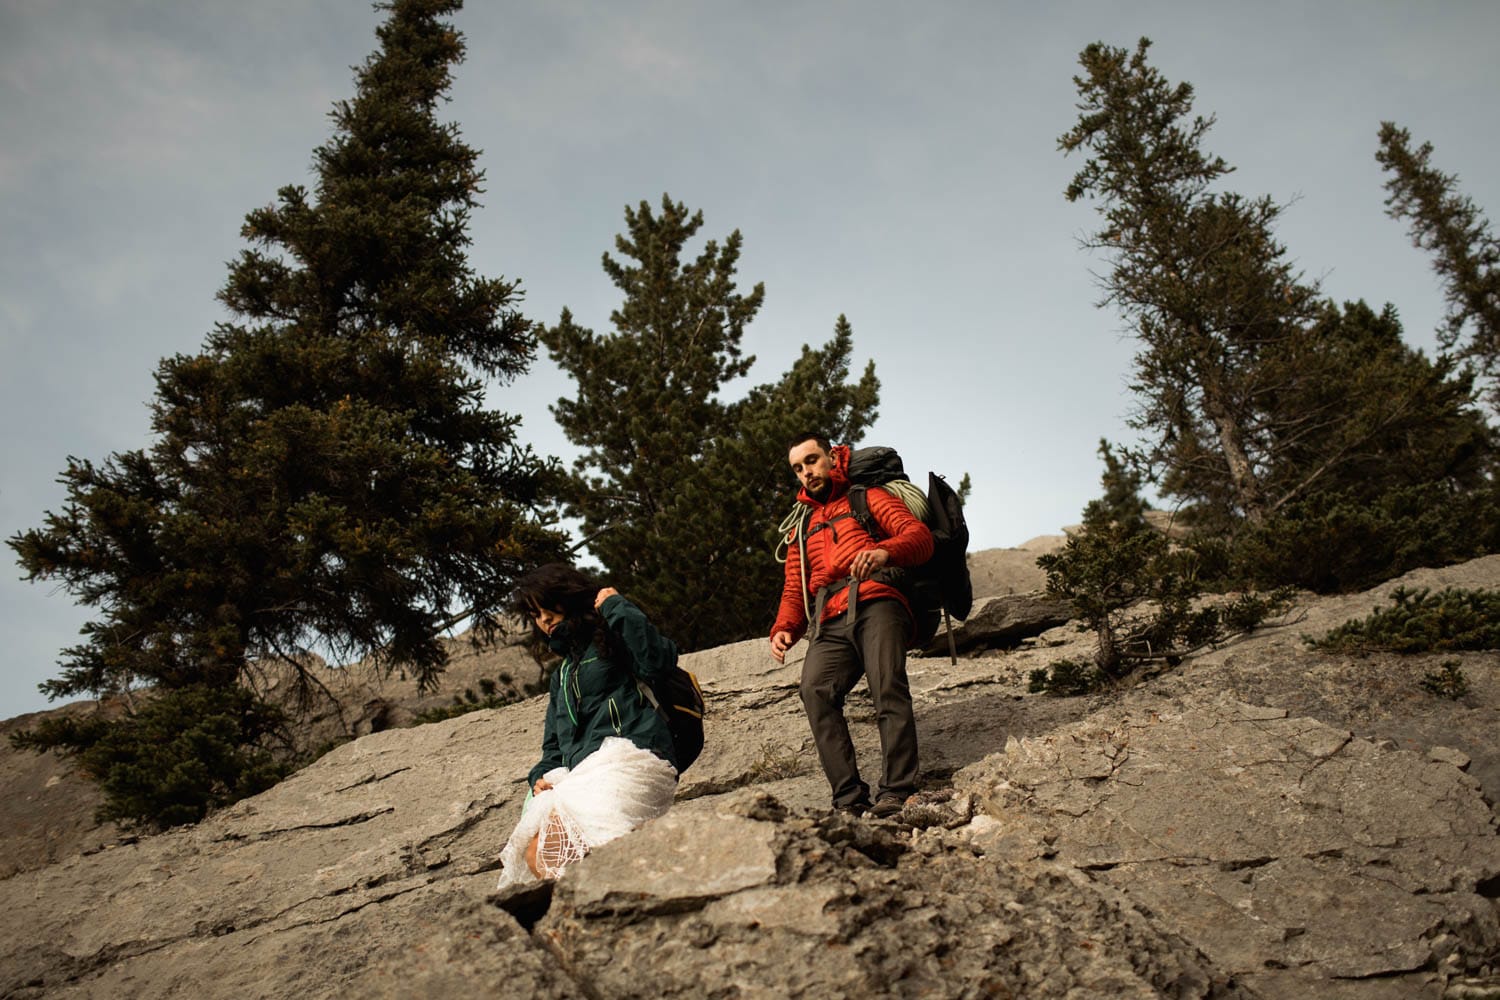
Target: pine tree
{"x": 1112, "y": 565}
{"x": 1381, "y": 463}
{"x": 1134, "y": 591}
{"x": 678, "y": 488}
{"x": 1376, "y": 415}
{"x": 324, "y": 469}
{"x": 1255, "y": 394}
{"x": 1198, "y": 274}
{"x": 1466, "y": 253}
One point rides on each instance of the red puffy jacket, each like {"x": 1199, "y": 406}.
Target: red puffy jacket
{"x": 831, "y": 550}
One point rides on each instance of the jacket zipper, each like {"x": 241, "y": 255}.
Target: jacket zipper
{"x": 577, "y": 687}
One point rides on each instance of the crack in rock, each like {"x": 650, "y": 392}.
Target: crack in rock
{"x": 352, "y": 820}
{"x": 371, "y": 779}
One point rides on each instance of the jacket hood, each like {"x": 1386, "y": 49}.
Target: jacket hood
{"x": 839, "y": 477}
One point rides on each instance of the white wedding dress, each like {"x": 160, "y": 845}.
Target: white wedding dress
{"x": 612, "y": 791}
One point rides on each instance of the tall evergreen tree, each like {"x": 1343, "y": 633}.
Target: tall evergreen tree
{"x": 1275, "y": 416}
{"x": 324, "y": 470}
{"x": 1383, "y": 463}
{"x": 678, "y": 488}
{"x": 1466, "y": 253}
{"x": 1358, "y": 412}
{"x": 1198, "y": 273}
{"x": 1255, "y": 393}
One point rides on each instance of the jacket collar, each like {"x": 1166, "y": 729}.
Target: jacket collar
{"x": 565, "y": 645}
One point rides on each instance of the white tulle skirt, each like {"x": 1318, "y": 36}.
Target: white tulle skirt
{"x": 611, "y": 792}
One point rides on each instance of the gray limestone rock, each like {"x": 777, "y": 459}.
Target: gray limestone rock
{"x": 1002, "y": 622}
{"x": 1288, "y": 850}
{"x": 1265, "y": 820}
{"x": 821, "y": 905}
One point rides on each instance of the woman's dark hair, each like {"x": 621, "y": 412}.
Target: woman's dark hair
{"x": 555, "y": 587}
{"x": 560, "y": 587}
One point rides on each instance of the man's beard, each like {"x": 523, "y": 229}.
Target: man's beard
{"x": 821, "y": 493}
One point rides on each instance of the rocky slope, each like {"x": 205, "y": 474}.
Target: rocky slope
{"x": 48, "y": 811}
{"x": 1263, "y": 821}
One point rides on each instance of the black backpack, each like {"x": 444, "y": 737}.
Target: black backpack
{"x": 939, "y": 587}
{"x": 677, "y": 698}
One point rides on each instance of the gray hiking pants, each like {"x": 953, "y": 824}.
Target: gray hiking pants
{"x": 873, "y": 646}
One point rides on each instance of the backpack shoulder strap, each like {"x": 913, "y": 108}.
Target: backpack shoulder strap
{"x": 859, "y": 509}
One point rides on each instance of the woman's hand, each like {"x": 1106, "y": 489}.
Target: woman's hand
{"x": 604, "y": 594}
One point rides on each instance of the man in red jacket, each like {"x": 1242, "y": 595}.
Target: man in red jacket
{"x": 861, "y": 622}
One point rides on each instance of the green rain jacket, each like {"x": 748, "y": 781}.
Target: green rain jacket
{"x": 592, "y": 698}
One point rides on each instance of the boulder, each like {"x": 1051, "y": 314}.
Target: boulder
{"x": 1003, "y": 622}
{"x": 739, "y": 897}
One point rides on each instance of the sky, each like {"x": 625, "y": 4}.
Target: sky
{"x": 893, "y": 163}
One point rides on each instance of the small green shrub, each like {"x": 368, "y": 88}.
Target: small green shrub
{"x": 774, "y": 763}
{"x": 1420, "y": 621}
{"x": 1135, "y": 592}
{"x": 491, "y": 695}
{"x": 1449, "y": 682}
{"x": 1065, "y": 679}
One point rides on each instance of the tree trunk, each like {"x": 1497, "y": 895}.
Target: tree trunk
{"x": 1247, "y": 491}
{"x": 1106, "y": 655}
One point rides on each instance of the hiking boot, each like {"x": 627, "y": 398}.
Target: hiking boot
{"x": 853, "y": 809}
{"x": 887, "y": 805}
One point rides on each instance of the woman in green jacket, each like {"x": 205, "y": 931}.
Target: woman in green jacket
{"x": 607, "y": 761}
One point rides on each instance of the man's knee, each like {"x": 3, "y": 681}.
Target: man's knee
{"x": 820, "y": 695}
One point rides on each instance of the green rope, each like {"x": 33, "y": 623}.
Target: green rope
{"x": 910, "y": 494}
{"x": 792, "y": 522}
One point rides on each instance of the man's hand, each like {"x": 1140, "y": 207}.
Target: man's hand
{"x": 780, "y": 643}
{"x": 604, "y": 593}
{"x": 867, "y": 562}
{"x": 542, "y": 784}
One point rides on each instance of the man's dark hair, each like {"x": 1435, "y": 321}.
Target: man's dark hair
{"x": 797, "y": 439}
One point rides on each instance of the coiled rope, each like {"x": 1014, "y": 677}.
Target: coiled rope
{"x": 794, "y": 524}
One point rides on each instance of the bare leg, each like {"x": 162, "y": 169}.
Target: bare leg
{"x": 531, "y": 856}
{"x": 551, "y": 850}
